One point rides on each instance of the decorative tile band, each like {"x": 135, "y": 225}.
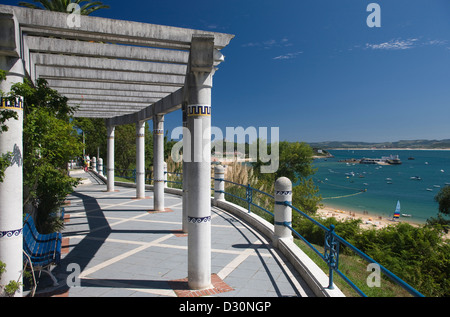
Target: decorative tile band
{"x": 198, "y": 110}
{"x": 199, "y": 220}
{"x": 16, "y": 104}
{"x": 158, "y": 131}
{"x": 10, "y": 233}
{"x": 283, "y": 192}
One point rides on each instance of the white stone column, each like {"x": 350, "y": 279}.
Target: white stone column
{"x": 110, "y": 162}
{"x": 158, "y": 162}
{"x": 186, "y": 145}
{"x": 140, "y": 159}
{"x": 11, "y": 189}
{"x": 199, "y": 84}
{"x": 282, "y": 213}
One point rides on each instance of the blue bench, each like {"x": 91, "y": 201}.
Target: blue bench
{"x": 44, "y": 250}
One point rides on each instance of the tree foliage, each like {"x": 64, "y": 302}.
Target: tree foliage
{"x": 61, "y": 5}
{"x": 295, "y": 162}
{"x": 94, "y": 130}
{"x": 418, "y": 255}
{"x": 443, "y": 198}
{"x": 442, "y": 221}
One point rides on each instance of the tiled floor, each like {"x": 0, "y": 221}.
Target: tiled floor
{"x": 117, "y": 246}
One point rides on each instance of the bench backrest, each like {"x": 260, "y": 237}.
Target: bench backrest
{"x": 43, "y": 249}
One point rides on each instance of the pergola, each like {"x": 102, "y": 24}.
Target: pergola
{"x": 125, "y": 72}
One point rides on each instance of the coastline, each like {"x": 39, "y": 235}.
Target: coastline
{"x": 388, "y": 149}
{"x": 369, "y": 221}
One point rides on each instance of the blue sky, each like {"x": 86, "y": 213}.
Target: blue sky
{"x": 315, "y": 69}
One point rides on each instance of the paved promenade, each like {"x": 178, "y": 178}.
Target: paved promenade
{"x": 116, "y": 246}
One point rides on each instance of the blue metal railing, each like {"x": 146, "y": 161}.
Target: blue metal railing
{"x": 331, "y": 244}
{"x": 248, "y": 195}
{"x": 331, "y": 256}
{"x": 131, "y": 175}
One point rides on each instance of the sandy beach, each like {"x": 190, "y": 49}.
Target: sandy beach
{"x": 368, "y": 221}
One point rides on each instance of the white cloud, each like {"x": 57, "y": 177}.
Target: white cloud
{"x": 288, "y": 56}
{"x": 268, "y": 44}
{"x": 394, "y": 44}
{"x": 399, "y": 44}
{"x": 436, "y": 42}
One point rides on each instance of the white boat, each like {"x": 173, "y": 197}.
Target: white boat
{"x": 429, "y": 189}
{"x": 417, "y": 178}
{"x": 406, "y": 215}
{"x": 437, "y": 186}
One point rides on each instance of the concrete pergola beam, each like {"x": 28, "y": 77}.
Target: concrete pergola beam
{"x": 118, "y": 110}
{"x": 166, "y": 105}
{"x": 106, "y": 99}
{"x": 106, "y": 93}
{"x": 79, "y": 48}
{"x": 147, "y": 87}
{"x": 108, "y": 76}
{"x": 107, "y": 64}
{"x": 109, "y": 30}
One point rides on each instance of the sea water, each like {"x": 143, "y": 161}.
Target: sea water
{"x": 377, "y": 188}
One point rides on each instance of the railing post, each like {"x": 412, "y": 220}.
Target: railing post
{"x": 165, "y": 174}
{"x": 100, "y": 166}
{"x": 249, "y": 194}
{"x": 219, "y": 184}
{"x": 331, "y": 254}
{"x": 94, "y": 164}
{"x": 282, "y": 212}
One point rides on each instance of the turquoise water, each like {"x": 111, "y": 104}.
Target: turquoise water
{"x": 342, "y": 185}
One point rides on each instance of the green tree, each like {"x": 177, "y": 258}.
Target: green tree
{"x": 124, "y": 148}
{"x": 443, "y": 198}
{"x": 61, "y": 5}
{"x": 94, "y": 130}
{"x": 295, "y": 163}
{"x": 442, "y": 222}
{"x": 418, "y": 255}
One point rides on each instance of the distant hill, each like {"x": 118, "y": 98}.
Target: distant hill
{"x": 413, "y": 144}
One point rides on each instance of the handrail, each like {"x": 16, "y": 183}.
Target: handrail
{"x": 332, "y": 241}
{"x": 339, "y": 239}
{"x": 249, "y": 195}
